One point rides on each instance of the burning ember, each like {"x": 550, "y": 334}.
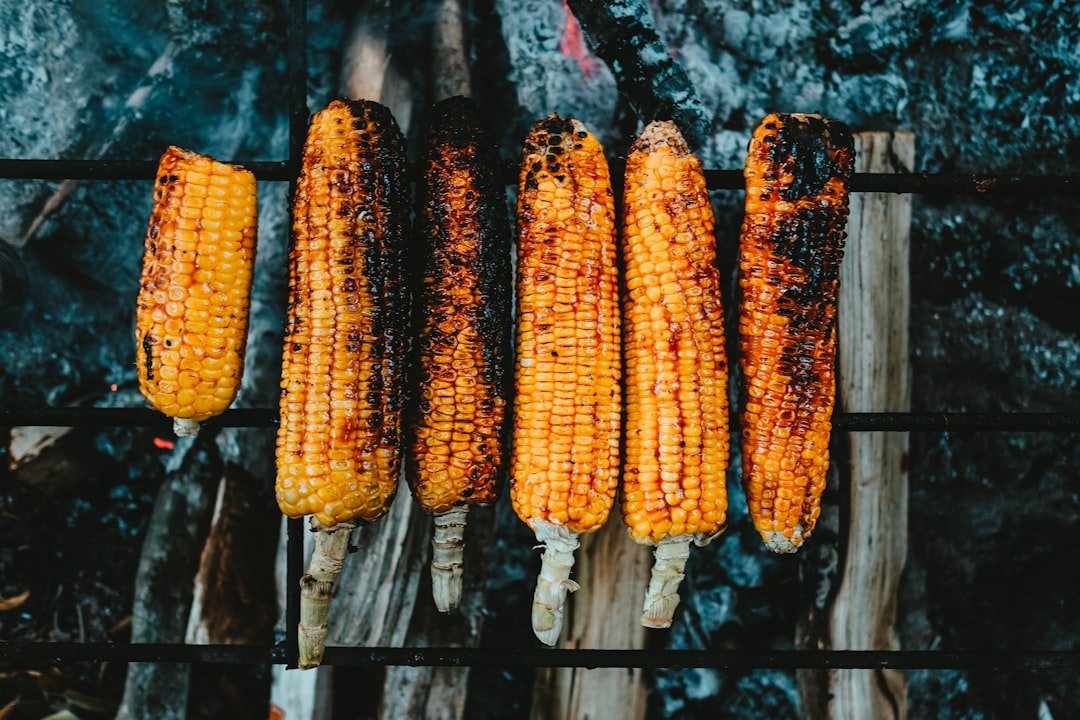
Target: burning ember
{"x": 573, "y": 45}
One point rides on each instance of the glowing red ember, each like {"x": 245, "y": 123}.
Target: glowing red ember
{"x": 163, "y": 444}
{"x": 573, "y": 45}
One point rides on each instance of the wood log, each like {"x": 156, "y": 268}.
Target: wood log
{"x": 439, "y": 693}
{"x": 605, "y": 612}
{"x": 450, "y": 76}
{"x": 368, "y": 70}
{"x": 233, "y": 600}
{"x": 167, "y": 566}
{"x": 623, "y": 33}
{"x": 874, "y": 375}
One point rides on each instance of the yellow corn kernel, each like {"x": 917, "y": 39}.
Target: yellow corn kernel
{"x": 789, "y": 260}
{"x": 674, "y": 480}
{"x": 568, "y": 366}
{"x": 463, "y": 327}
{"x": 676, "y": 368}
{"x": 457, "y": 446}
{"x": 342, "y": 380}
{"x": 170, "y": 325}
{"x": 568, "y": 360}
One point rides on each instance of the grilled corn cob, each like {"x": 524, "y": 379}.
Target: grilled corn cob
{"x": 191, "y": 323}
{"x": 674, "y": 487}
{"x": 457, "y": 449}
{"x": 342, "y": 380}
{"x": 797, "y": 175}
{"x": 564, "y": 463}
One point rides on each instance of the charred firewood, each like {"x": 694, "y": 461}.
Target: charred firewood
{"x": 624, "y": 35}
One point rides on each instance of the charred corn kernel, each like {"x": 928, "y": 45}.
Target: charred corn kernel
{"x": 342, "y": 382}
{"x": 797, "y": 175}
{"x": 674, "y": 486}
{"x": 342, "y": 379}
{"x": 458, "y": 447}
{"x": 195, "y": 269}
{"x": 568, "y": 363}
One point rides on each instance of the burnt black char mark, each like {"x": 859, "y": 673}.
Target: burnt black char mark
{"x": 148, "y": 355}
{"x": 392, "y": 200}
{"x": 377, "y": 192}
{"x": 807, "y": 148}
{"x": 455, "y": 143}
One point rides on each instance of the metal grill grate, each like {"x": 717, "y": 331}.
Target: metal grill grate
{"x": 286, "y": 652}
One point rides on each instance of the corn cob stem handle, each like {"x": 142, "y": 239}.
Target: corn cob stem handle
{"x": 316, "y": 587}
{"x": 447, "y": 558}
{"x": 552, "y": 585}
{"x": 185, "y": 427}
{"x": 662, "y": 597}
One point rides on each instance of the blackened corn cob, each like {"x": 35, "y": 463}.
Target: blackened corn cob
{"x": 674, "y": 479}
{"x": 191, "y": 323}
{"x": 564, "y": 463}
{"x": 458, "y": 444}
{"x": 797, "y": 176}
{"x": 342, "y": 375}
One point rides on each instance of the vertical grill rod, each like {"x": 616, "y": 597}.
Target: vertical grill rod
{"x": 298, "y": 120}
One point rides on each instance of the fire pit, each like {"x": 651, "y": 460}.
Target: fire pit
{"x": 986, "y": 620}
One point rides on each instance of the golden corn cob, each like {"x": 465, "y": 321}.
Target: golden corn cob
{"x": 342, "y": 379}
{"x": 564, "y": 463}
{"x": 674, "y": 479}
{"x": 191, "y": 323}
{"x": 458, "y": 448}
{"x": 797, "y": 175}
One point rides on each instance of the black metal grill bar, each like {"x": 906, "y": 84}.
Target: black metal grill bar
{"x": 285, "y": 170}
{"x": 945, "y": 184}
{"x": 298, "y": 121}
{"x": 120, "y": 169}
{"x": 286, "y": 653}
{"x": 850, "y": 422}
{"x": 53, "y": 653}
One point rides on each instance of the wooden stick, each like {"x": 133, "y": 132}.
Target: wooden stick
{"x": 874, "y": 375}
{"x": 605, "y": 613}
